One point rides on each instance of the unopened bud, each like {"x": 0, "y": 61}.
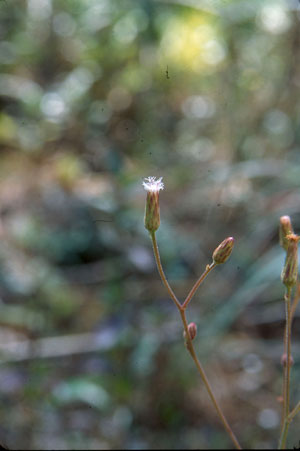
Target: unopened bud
{"x": 152, "y": 216}
{"x": 284, "y": 360}
{"x": 223, "y": 251}
{"x": 285, "y": 228}
{"x": 290, "y": 270}
{"x": 192, "y": 328}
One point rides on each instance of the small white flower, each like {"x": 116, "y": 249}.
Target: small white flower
{"x": 153, "y": 185}
{"x": 152, "y": 216}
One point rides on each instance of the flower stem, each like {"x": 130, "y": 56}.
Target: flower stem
{"x": 161, "y": 271}
{"x": 181, "y": 309}
{"x": 206, "y": 382}
{"x": 287, "y": 370}
{"x": 295, "y": 301}
{"x": 286, "y": 424}
{"x": 197, "y": 284}
{"x": 294, "y": 412}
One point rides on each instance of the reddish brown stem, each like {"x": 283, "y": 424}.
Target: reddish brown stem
{"x": 286, "y": 370}
{"x": 161, "y": 272}
{"x": 206, "y": 382}
{"x": 197, "y": 284}
{"x": 181, "y": 309}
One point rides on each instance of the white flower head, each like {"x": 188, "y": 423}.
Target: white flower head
{"x": 152, "y": 185}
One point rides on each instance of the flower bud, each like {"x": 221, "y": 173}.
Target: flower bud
{"x": 290, "y": 270}
{"x": 192, "y": 328}
{"x": 223, "y": 251}
{"x": 152, "y": 216}
{"x": 284, "y": 360}
{"x": 285, "y": 228}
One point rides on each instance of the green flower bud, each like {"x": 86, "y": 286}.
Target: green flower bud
{"x": 223, "y": 251}
{"x": 152, "y": 216}
{"x": 290, "y": 270}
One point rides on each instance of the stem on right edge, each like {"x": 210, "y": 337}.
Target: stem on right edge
{"x": 287, "y": 370}
{"x": 294, "y": 412}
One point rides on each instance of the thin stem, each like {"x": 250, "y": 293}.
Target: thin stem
{"x": 288, "y": 346}
{"x": 283, "y": 434}
{"x": 284, "y": 378}
{"x": 295, "y": 301}
{"x": 197, "y": 284}
{"x": 206, "y": 382}
{"x": 294, "y": 412}
{"x": 181, "y": 309}
{"x": 161, "y": 271}
{"x": 287, "y": 369}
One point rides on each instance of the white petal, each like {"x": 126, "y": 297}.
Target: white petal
{"x": 153, "y": 185}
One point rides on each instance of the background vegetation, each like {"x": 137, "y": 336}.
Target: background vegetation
{"x": 94, "y": 96}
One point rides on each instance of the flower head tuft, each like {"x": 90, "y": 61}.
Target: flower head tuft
{"x": 152, "y": 216}
{"x": 152, "y": 185}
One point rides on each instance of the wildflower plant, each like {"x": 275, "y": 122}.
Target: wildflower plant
{"x": 220, "y": 255}
{"x": 289, "y": 241}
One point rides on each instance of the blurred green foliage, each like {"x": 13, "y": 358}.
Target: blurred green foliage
{"x": 94, "y": 96}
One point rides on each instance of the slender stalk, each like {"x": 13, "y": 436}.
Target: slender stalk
{"x": 287, "y": 370}
{"x": 295, "y": 301}
{"x": 197, "y": 284}
{"x": 206, "y": 382}
{"x": 284, "y": 378}
{"x": 283, "y": 434}
{"x": 294, "y": 412}
{"x": 161, "y": 271}
{"x": 181, "y": 309}
{"x": 287, "y": 300}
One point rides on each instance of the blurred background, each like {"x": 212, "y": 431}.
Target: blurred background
{"x": 95, "y": 95}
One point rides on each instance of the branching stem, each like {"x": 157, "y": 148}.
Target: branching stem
{"x": 294, "y": 412}
{"x": 189, "y": 343}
